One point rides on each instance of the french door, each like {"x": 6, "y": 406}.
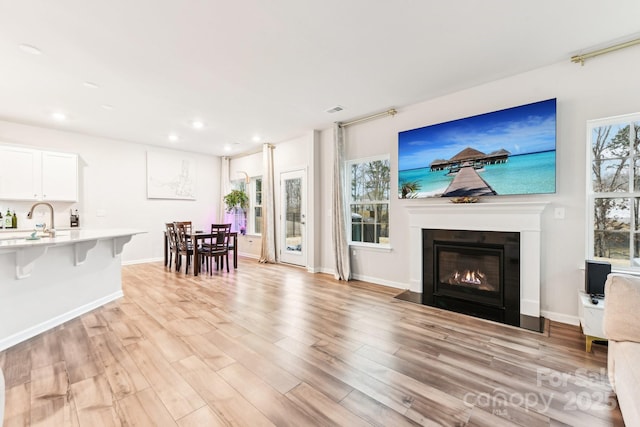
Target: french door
{"x": 293, "y": 211}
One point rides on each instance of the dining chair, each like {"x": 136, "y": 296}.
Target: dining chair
{"x": 216, "y": 246}
{"x": 172, "y": 241}
{"x": 184, "y": 243}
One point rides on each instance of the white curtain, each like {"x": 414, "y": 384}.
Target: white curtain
{"x": 340, "y": 243}
{"x": 268, "y": 250}
{"x": 225, "y": 186}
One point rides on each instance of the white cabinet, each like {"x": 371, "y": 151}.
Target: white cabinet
{"x": 19, "y": 173}
{"x": 59, "y": 176}
{"x": 27, "y": 174}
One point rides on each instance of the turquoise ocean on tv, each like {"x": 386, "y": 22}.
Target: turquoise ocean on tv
{"x": 533, "y": 173}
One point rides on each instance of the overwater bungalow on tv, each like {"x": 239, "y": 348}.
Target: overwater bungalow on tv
{"x": 470, "y": 155}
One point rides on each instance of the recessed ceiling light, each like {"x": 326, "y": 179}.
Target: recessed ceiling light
{"x": 173, "y": 137}
{"x": 257, "y": 138}
{"x": 197, "y": 124}
{"x": 107, "y": 106}
{"x": 335, "y": 109}
{"x": 27, "y": 48}
{"x": 59, "y": 116}
{"x": 227, "y": 147}
{"x": 91, "y": 85}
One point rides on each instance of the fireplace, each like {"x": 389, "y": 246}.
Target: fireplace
{"x": 473, "y": 272}
{"x": 523, "y": 218}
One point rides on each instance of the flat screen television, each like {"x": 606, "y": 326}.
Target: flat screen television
{"x": 506, "y": 152}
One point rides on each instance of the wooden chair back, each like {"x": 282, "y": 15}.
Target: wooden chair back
{"x": 171, "y": 235}
{"x": 219, "y": 240}
{"x": 217, "y": 245}
{"x": 183, "y": 232}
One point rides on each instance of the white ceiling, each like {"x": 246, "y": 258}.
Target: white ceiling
{"x": 272, "y": 68}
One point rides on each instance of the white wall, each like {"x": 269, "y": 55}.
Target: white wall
{"x": 604, "y": 86}
{"x": 112, "y": 188}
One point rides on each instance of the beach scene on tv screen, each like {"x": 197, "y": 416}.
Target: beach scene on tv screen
{"x": 506, "y": 152}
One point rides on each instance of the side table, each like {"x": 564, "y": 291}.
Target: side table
{"x": 590, "y": 319}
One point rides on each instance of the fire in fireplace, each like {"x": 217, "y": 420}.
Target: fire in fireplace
{"x": 473, "y": 272}
{"x": 475, "y": 279}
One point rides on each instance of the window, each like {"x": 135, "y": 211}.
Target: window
{"x": 614, "y": 191}
{"x": 249, "y": 220}
{"x": 256, "y": 205}
{"x": 369, "y": 202}
{"x": 237, "y": 217}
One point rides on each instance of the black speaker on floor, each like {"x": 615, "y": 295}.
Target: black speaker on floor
{"x": 595, "y": 274}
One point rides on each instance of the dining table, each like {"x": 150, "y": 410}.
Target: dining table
{"x": 201, "y": 235}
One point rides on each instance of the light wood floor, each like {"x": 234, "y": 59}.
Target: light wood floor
{"x": 274, "y": 345}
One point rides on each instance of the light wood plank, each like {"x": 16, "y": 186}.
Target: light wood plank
{"x": 123, "y": 374}
{"x": 17, "y": 403}
{"x": 224, "y": 400}
{"x": 171, "y": 347}
{"x": 268, "y": 371}
{"x": 144, "y": 408}
{"x": 78, "y": 355}
{"x": 176, "y": 394}
{"x": 373, "y": 412}
{"x": 277, "y": 408}
{"x": 46, "y": 349}
{"x": 324, "y": 410}
{"x": 94, "y": 402}
{"x": 208, "y": 351}
{"x": 201, "y": 417}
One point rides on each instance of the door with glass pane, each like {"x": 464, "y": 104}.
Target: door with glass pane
{"x": 293, "y": 246}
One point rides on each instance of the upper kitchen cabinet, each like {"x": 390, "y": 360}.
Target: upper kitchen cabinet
{"x": 59, "y": 176}
{"x": 27, "y": 174}
{"x": 19, "y": 173}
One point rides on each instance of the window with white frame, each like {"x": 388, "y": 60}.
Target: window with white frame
{"x": 256, "y": 206}
{"x": 237, "y": 217}
{"x": 369, "y": 181}
{"x": 614, "y": 191}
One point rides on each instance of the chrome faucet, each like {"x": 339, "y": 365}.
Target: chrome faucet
{"x": 51, "y": 231}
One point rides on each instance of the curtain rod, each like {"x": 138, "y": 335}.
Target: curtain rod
{"x": 582, "y": 58}
{"x": 389, "y": 112}
{"x": 249, "y": 153}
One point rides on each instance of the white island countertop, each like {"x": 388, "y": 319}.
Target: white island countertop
{"x": 18, "y": 239}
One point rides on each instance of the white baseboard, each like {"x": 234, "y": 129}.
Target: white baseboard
{"x": 382, "y": 282}
{"x": 142, "y": 261}
{"x": 247, "y": 255}
{"x": 31, "y": 332}
{"x": 325, "y": 270}
{"x": 560, "y": 317}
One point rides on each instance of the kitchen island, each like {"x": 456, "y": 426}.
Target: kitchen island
{"x": 46, "y": 281}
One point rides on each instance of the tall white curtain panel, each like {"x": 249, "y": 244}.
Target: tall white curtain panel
{"x": 340, "y": 243}
{"x": 268, "y": 249}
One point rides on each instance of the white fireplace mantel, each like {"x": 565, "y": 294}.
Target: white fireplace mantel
{"x": 522, "y": 217}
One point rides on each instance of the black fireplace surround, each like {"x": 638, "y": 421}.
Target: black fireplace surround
{"x": 472, "y": 272}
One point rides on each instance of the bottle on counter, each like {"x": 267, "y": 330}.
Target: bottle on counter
{"x": 1, "y": 221}
{"x": 8, "y": 219}
{"x": 14, "y": 220}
